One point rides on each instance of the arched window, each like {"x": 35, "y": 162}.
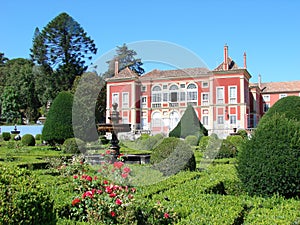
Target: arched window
{"x": 192, "y": 93}
{"x": 156, "y": 94}
{"x": 156, "y": 120}
{"x": 173, "y": 93}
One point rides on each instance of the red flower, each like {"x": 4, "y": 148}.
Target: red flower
{"x": 99, "y": 192}
{"x": 75, "y": 176}
{"x": 108, "y": 190}
{"x": 88, "y": 178}
{"x": 126, "y": 170}
{"x": 133, "y": 190}
{"x": 166, "y": 215}
{"x": 107, "y": 152}
{"x": 75, "y": 201}
{"x": 130, "y": 196}
{"x": 112, "y": 213}
{"x": 105, "y": 182}
{"x": 112, "y": 195}
{"x": 87, "y": 194}
{"x": 118, "y": 165}
{"x": 124, "y": 175}
{"x": 118, "y": 201}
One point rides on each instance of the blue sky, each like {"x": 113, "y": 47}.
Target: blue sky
{"x": 269, "y": 31}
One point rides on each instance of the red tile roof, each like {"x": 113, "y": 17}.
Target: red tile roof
{"x": 231, "y": 65}
{"x": 124, "y": 74}
{"x": 288, "y": 86}
{"x": 179, "y": 73}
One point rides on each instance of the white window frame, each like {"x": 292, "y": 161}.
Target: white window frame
{"x": 205, "y": 120}
{"x": 232, "y": 118}
{"x": 144, "y": 102}
{"x": 143, "y": 88}
{"x": 205, "y": 84}
{"x": 220, "y": 119}
{"x": 174, "y": 93}
{"x": 232, "y": 95}
{"x": 125, "y": 100}
{"x": 220, "y": 95}
{"x": 192, "y": 93}
{"x": 266, "y": 98}
{"x": 115, "y": 98}
{"x": 204, "y": 101}
{"x": 283, "y": 95}
{"x": 156, "y": 95}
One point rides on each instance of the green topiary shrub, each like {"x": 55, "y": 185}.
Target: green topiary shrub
{"x": 227, "y": 150}
{"x": 28, "y": 140}
{"x": 23, "y": 199}
{"x": 191, "y": 140}
{"x": 289, "y": 106}
{"x": 236, "y": 140}
{"x": 203, "y": 143}
{"x": 6, "y": 136}
{"x": 268, "y": 163}
{"x": 149, "y": 143}
{"x": 243, "y": 133}
{"x": 58, "y": 125}
{"x": 38, "y": 137}
{"x": 173, "y": 155}
{"x": 73, "y": 146}
{"x": 189, "y": 124}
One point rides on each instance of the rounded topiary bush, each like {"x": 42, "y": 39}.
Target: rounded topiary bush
{"x": 58, "y": 125}
{"x": 269, "y": 162}
{"x": 73, "y": 146}
{"x": 192, "y": 140}
{"x": 173, "y": 155}
{"x": 203, "y": 143}
{"x": 23, "y": 199}
{"x": 236, "y": 140}
{"x": 227, "y": 150}
{"x": 6, "y": 136}
{"x": 289, "y": 106}
{"x": 243, "y": 133}
{"x": 28, "y": 140}
{"x": 38, "y": 137}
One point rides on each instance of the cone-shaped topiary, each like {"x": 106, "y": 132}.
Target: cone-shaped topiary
{"x": 58, "y": 125}
{"x": 269, "y": 162}
{"x": 189, "y": 124}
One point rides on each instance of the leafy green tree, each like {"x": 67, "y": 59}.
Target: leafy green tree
{"x": 19, "y": 74}
{"x": 189, "y": 124}
{"x": 125, "y": 58}
{"x": 58, "y": 125}
{"x": 64, "y": 46}
{"x": 3, "y": 60}
{"x": 10, "y": 105}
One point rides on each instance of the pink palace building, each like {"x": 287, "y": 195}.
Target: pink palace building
{"x": 223, "y": 98}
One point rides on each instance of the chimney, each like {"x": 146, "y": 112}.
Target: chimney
{"x": 259, "y": 81}
{"x": 245, "y": 60}
{"x": 225, "y": 64}
{"x": 116, "y": 67}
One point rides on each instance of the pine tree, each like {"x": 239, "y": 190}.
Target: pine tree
{"x": 64, "y": 46}
{"x": 125, "y": 58}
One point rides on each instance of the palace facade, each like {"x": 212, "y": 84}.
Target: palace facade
{"x": 223, "y": 98}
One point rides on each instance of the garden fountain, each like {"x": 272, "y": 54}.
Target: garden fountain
{"x": 114, "y": 127}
